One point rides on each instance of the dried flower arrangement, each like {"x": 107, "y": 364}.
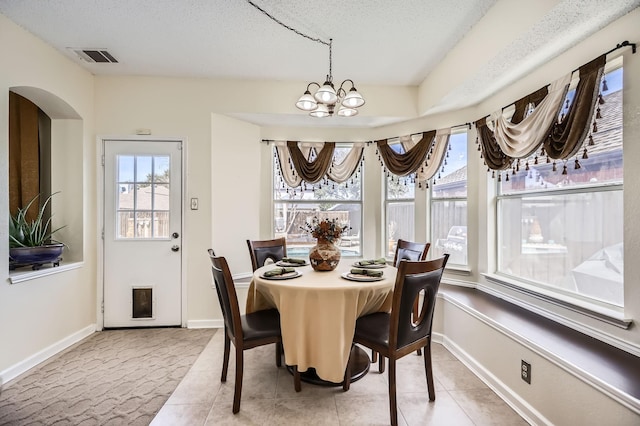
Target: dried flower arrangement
{"x": 328, "y": 229}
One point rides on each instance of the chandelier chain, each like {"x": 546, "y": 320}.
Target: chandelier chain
{"x": 273, "y": 18}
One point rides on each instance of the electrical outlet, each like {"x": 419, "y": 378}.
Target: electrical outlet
{"x": 525, "y": 371}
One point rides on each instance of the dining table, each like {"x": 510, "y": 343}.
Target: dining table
{"x": 318, "y": 312}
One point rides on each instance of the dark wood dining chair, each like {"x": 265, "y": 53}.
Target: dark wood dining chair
{"x": 244, "y": 331}
{"x": 261, "y": 250}
{"x": 412, "y": 251}
{"x": 396, "y": 334}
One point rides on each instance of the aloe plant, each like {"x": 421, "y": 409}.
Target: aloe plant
{"x": 24, "y": 233}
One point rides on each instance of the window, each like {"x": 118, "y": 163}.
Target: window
{"x": 562, "y": 232}
{"x": 293, "y": 207}
{"x": 449, "y": 204}
{"x": 143, "y": 196}
{"x": 400, "y": 207}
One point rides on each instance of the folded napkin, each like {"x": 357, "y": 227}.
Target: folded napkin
{"x": 380, "y": 261}
{"x": 277, "y": 271}
{"x": 294, "y": 260}
{"x": 367, "y": 272}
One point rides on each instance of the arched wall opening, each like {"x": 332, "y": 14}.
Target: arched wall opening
{"x": 62, "y": 166}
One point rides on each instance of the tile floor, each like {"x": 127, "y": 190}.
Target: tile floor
{"x": 268, "y": 396}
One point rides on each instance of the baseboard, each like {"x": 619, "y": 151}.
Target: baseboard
{"x": 213, "y": 323}
{"x": 35, "y": 359}
{"x": 521, "y": 406}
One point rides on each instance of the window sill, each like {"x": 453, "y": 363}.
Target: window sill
{"x": 16, "y": 277}
{"x": 594, "y": 311}
{"x": 609, "y": 369}
{"x": 458, "y": 269}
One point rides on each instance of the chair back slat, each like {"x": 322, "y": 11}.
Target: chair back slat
{"x": 262, "y": 250}
{"x": 414, "y": 278}
{"x": 212, "y": 255}
{"x": 411, "y": 251}
{"x": 227, "y": 296}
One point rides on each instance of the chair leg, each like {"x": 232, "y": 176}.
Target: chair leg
{"x": 346, "y": 381}
{"x": 279, "y": 354}
{"x": 296, "y": 379}
{"x": 225, "y": 360}
{"x": 416, "y": 313}
{"x": 237, "y": 393}
{"x": 374, "y": 357}
{"x": 381, "y": 364}
{"x": 429, "y": 371}
{"x": 393, "y": 407}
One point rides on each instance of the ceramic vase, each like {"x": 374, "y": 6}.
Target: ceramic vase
{"x": 324, "y": 256}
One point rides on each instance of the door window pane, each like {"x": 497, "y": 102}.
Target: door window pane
{"x": 143, "y": 168}
{"x": 125, "y": 168}
{"x": 161, "y": 169}
{"x": 142, "y": 205}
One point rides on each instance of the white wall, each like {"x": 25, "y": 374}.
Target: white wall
{"x": 37, "y": 315}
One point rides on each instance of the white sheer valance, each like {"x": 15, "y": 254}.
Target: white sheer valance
{"x": 519, "y": 140}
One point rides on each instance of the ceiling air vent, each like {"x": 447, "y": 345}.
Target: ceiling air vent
{"x": 95, "y": 56}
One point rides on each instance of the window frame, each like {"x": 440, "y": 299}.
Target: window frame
{"x": 390, "y": 201}
{"x": 599, "y": 309}
{"x": 432, "y": 200}
{"x": 358, "y": 202}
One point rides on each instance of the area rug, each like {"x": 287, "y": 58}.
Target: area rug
{"x": 114, "y": 377}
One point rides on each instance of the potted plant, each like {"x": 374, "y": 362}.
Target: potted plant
{"x": 31, "y": 242}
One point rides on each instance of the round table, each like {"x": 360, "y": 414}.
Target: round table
{"x": 318, "y": 311}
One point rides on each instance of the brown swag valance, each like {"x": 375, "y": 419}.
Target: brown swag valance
{"x": 568, "y": 135}
{"x": 311, "y": 171}
{"x": 565, "y": 136}
{"x": 409, "y": 162}
{"x": 494, "y": 158}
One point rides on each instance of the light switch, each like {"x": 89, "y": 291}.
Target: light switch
{"x": 194, "y": 204}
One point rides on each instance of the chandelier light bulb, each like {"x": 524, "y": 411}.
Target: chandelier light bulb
{"x": 321, "y": 111}
{"x": 307, "y": 102}
{"x": 327, "y": 93}
{"x": 353, "y": 99}
{"x": 346, "y": 111}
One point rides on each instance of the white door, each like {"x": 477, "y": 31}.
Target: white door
{"x": 142, "y": 233}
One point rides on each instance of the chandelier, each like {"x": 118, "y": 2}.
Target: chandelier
{"x": 323, "y": 102}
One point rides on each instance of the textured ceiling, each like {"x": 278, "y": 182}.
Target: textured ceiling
{"x": 376, "y": 42}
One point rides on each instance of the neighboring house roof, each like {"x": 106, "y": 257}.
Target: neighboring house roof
{"x": 160, "y": 201}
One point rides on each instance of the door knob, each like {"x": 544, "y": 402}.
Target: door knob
{"x": 175, "y": 248}
{"x": 175, "y": 235}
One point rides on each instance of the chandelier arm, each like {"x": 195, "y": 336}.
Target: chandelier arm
{"x": 350, "y": 81}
